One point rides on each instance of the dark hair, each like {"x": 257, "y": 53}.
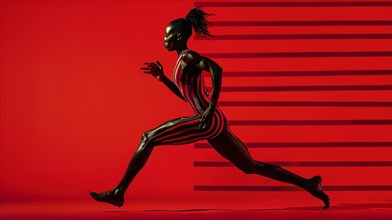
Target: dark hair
{"x": 198, "y": 20}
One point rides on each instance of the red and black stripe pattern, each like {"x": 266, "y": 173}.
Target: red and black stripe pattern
{"x": 185, "y": 130}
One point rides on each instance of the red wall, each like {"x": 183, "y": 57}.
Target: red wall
{"x": 74, "y": 104}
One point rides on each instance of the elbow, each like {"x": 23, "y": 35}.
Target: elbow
{"x": 217, "y": 70}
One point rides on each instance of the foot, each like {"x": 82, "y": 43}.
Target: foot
{"x": 314, "y": 188}
{"x": 112, "y": 197}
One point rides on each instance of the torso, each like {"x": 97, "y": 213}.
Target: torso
{"x": 190, "y": 82}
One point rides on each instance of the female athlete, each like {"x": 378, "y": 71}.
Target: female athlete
{"x": 208, "y": 122}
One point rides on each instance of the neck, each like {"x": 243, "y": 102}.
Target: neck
{"x": 180, "y": 50}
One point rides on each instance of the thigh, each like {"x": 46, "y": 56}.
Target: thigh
{"x": 183, "y": 131}
{"x": 171, "y": 124}
{"x": 232, "y": 148}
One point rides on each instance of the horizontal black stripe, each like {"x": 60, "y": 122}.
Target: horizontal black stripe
{"x": 296, "y": 36}
{"x": 300, "y": 54}
{"x": 303, "y": 23}
{"x": 290, "y": 188}
{"x": 304, "y": 73}
{"x": 308, "y": 122}
{"x": 305, "y": 103}
{"x": 302, "y": 88}
{"x": 302, "y": 163}
{"x": 293, "y": 4}
{"x": 306, "y": 144}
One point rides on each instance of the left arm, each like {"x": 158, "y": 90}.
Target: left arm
{"x": 211, "y": 66}
{"x": 216, "y": 76}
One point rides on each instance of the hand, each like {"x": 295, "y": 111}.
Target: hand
{"x": 206, "y": 118}
{"x": 155, "y": 69}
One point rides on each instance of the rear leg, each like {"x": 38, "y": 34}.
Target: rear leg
{"x": 316, "y": 190}
{"x": 232, "y": 148}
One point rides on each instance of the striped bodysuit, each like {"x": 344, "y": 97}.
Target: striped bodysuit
{"x": 184, "y": 130}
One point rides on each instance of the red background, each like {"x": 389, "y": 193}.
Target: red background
{"x": 74, "y": 104}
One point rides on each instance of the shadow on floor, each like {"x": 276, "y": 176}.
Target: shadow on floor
{"x": 339, "y": 207}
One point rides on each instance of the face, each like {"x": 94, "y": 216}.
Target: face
{"x": 170, "y": 40}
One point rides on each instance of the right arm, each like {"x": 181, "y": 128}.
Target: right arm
{"x": 156, "y": 70}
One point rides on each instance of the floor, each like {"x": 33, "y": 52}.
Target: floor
{"x": 143, "y": 210}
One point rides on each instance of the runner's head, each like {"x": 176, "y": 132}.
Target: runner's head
{"x": 180, "y": 30}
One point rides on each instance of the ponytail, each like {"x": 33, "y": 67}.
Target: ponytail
{"x": 197, "y": 18}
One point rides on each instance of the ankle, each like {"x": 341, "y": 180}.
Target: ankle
{"x": 118, "y": 191}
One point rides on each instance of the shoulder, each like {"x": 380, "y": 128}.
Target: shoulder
{"x": 192, "y": 57}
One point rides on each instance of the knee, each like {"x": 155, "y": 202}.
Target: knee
{"x": 249, "y": 168}
{"x": 265, "y": 168}
{"x": 147, "y": 139}
{"x": 147, "y": 136}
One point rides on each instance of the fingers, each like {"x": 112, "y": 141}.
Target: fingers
{"x": 201, "y": 126}
{"x": 202, "y": 123}
{"x": 152, "y": 64}
{"x": 145, "y": 69}
{"x": 149, "y": 64}
{"x": 151, "y": 67}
